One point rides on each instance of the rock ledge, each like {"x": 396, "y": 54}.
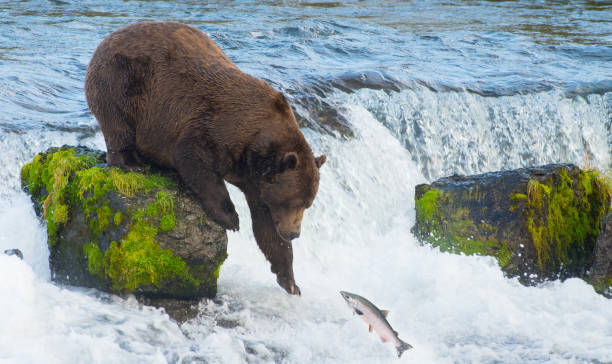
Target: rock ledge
{"x": 539, "y": 223}
{"x": 123, "y": 232}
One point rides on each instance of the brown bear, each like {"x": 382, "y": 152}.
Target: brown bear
{"x": 164, "y": 93}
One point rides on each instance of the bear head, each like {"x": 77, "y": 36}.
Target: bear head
{"x": 283, "y": 168}
{"x": 290, "y": 190}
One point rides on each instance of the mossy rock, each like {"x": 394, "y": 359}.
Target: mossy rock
{"x": 123, "y": 232}
{"x": 539, "y": 223}
{"x": 600, "y": 275}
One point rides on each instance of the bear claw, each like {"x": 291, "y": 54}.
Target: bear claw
{"x": 229, "y": 221}
{"x": 234, "y": 222}
{"x": 290, "y": 287}
{"x": 295, "y": 290}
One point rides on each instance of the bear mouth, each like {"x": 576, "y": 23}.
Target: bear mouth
{"x": 280, "y": 234}
{"x": 283, "y": 237}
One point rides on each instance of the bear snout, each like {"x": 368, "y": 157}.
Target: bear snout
{"x": 288, "y": 235}
{"x": 292, "y": 231}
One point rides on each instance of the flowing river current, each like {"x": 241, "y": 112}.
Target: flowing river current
{"x": 396, "y": 94}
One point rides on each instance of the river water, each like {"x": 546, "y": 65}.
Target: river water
{"x": 396, "y": 94}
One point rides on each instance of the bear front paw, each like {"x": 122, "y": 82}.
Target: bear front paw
{"x": 234, "y": 223}
{"x": 288, "y": 285}
{"x": 229, "y": 221}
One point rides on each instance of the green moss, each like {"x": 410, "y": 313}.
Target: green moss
{"x": 118, "y": 218}
{"x": 104, "y": 216}
{"x": 167, "y": 223}
{"x": 52, "y": 230}
{"x": 215, "y": 274}
{"x": 564, "y": 219}
{"x": 603, "y": 286}
{"x": 164, "y": 201}
{"x": 163, "y": 207}
{"x": 518, "y": 197}
{"x": 139, "y": 261}
{"x": 60, "y": 213}
{"x": 211, "y": 277}
{"x": 101, "y": 180}
{"x": 451, "y": 229}
{"x": 504, "y": 255}
{"x": 152, "y": 210}
{"x": 52, "y": 172}
{"x": 426, "y": 205}
{"x": 95, "y": 259}
{"x": 94, "y": 183}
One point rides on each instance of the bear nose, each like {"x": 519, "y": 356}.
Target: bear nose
{"x": 294, "y": 236}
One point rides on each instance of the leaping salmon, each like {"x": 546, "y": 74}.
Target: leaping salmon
{"x": 376, "y": 320}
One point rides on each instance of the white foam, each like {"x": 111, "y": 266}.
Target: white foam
{"x": 20, "y": 228}
{"x": 357, "y": 238}
{"x": 43, "y": 323}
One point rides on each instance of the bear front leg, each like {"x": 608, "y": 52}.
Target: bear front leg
{"x": 120, "y": 141}
{"x": 277, "y": 251}
{"x": 207, "y": 185}
{"x": 126, "y": 159}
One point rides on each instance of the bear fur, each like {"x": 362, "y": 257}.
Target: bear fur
{"x": 164, "y": 93}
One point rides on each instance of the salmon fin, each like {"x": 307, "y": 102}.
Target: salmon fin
{"x": 383, "y": 339}
{"x": 403, "y": 347}
{"x": 370, "y": 328}
{"x": 385, "y": 312}
{"x": 395, "y": 332}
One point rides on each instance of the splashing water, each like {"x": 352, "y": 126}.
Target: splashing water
{"x": 356, "y": 237}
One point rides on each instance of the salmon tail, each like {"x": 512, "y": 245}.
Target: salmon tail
{"x": 403, "y": 347}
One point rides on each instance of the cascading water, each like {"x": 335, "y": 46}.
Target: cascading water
{"x": 356, "y": 237}
{"x": 467, "y": 133}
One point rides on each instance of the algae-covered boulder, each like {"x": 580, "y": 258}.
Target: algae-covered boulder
{"x": 600, "y": 274}
{"x": 123, "y": 232}
{"x": 540, "y": 223}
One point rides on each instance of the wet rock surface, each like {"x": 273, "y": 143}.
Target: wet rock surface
{"x": 180, "y": 310}
{"x": 141, "y": 233}
{"x": 601, "y": 272}
{"x": 15, "y": 252}
{"x": 539, "y": 223}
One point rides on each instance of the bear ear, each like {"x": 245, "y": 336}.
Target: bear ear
{"x": 290, "y": 161}
{"x": 281, "y": 104}
{"x": 320, "y": 160}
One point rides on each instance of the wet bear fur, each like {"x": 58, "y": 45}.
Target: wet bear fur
{"x": 164, "y": 93}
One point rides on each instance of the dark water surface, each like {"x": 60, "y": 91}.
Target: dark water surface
{"x": 488, "y": 47}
